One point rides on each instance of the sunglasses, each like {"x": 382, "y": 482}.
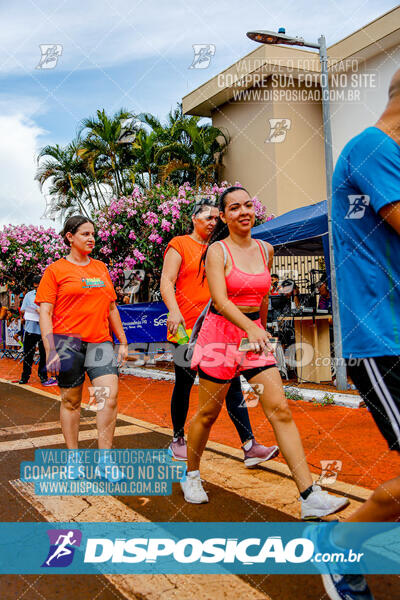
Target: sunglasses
{"x": 204, "y": 202}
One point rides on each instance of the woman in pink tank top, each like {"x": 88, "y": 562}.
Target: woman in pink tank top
{"x": 238, "y": 274}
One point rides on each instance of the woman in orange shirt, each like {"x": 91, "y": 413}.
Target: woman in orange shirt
{"x": 77, "y": 312}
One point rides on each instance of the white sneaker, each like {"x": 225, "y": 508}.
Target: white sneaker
{"x": 320, "y": 504}
{"x": 193, "y": 490}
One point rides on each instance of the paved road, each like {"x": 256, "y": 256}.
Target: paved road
{"x": 29, "y": 420}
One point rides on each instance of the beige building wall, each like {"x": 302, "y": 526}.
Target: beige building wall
{"x": 283, "y": 175}
{"x": 300, "y": 159}
{"x": 249, "y": 159}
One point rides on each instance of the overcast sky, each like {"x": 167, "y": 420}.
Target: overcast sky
{"x": 131, "y": 54}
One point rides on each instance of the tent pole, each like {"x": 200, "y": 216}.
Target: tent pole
{"x": 341, "y": 371}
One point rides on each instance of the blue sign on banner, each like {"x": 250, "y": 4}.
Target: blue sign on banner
{"x": 209, "y": 548}
{"x": 144, "y": 322}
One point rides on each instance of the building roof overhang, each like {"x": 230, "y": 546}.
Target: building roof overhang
{"x": 372, "y": 39}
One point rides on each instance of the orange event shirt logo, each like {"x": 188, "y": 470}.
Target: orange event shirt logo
{"x": 92, "y": 282}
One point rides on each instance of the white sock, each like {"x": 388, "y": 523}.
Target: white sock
{"x": 193, "y": 474}
{"x": 248, "y": 445}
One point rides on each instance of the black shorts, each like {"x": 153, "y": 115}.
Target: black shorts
{"x": 378, "y": 381}
{"x": 247, "y": 374}
{"x": 78, "y": 357}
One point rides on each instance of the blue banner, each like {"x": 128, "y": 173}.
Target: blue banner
{"x": 144, "y": 322}
{"x": 209, "y": 548}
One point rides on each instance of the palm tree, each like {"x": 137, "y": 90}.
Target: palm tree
{"x": 195, "y": 148}
{"x": 84, "y": 174}
{"x": 64, "y": 171}
{"x": 144, "y": 150}
{"x": 102, "y": 148}
{"x": 185, "y": 149}
{"x": 152, "y": 137}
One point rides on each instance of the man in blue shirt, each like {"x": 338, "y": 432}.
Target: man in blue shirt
{"x": 366, "y": 238}
{"x": 32, "y": 338}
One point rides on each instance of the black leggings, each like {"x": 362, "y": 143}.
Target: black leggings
{"x": 237, "y": 409}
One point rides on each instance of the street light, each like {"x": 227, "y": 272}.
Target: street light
{"x": 272, "y": 37}
{"x": 280, "y": 37}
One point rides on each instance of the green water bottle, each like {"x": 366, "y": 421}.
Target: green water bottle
{"x": 181, "y": 335}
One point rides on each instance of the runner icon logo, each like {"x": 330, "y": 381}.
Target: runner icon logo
{"x": 278, "y": 130}
{"x": 98, "y": 397}
{"x": 203, "y": 54}
{"x": 50, "y": 55}
{"x": 62, "y": 547}
{"x": 357, "y": 205}
{"x": 330, "y": 469}
{"x": 251, "y": 396}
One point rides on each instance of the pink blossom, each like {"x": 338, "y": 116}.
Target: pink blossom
{"x": 132, "y": 235}
{"x": 154, "y": 237}
{"x": 165, "y": 225}
{"x": 165, "y": 208}
{"x": 129, "y": 263}
{"x": 141, "y": 257}
{"x": 150, "y": 218}
{"x": 175, "y": 212}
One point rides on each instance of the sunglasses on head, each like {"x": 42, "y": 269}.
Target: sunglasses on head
{"x": 204, "y": 202}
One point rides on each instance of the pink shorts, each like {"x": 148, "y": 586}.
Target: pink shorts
{"x": 216, "y": 351}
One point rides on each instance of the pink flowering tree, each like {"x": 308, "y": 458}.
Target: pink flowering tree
{"x": 26, "y": 250}
{"x": 135, "y": 230}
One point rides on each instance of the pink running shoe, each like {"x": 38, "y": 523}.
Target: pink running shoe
{"x": 258, "y": 453}
{"x": 178, "y": 449}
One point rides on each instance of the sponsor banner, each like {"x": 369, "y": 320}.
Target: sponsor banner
{"x": 127, "y": 472}
{"x": 190, "y": 548}
{"x": 144, "y": 322}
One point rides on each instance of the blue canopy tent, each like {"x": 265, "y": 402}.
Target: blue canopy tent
{"x": 299, "y": 232}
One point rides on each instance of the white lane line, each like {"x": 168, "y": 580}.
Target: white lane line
{"x": 21, "y": 429}
{"x": 149, "y": 587}
{"x": 51, "y": 440}
{"x": 31, "y": 388}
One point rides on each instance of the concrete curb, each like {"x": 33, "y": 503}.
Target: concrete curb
{"x": 310, "y": 395}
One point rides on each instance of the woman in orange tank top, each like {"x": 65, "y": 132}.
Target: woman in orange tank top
{"x": 239, "y": 287}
